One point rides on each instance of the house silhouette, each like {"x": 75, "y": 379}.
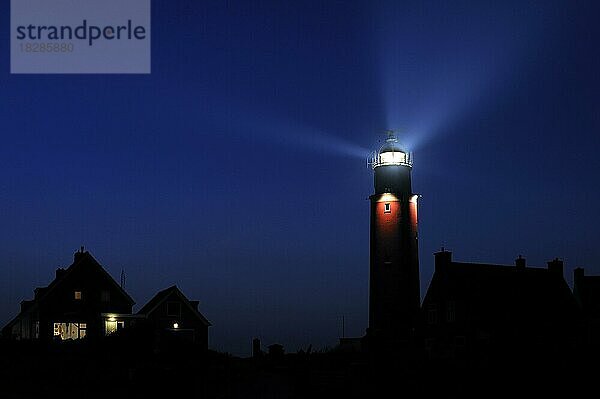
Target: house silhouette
{"x": 71, "y": 306}
{"x": 472, "y": 309}
{"x": 85, "y": 302}
{"x": 175, "y": 317}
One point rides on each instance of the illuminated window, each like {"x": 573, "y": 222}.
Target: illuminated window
{"x": 388, "y": 207}
{"x": 105, "y": 296}
{"x": 78, "y": 295}
{"x": 173, "y": 309}
{"x": 394, "y": 157}
{"x": 70, "y": 330}
{"x": 112, "y": 326}
{"x": 82, "y": 330}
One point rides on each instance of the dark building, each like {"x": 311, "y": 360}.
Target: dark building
{"x": 173, "y": 317}
{"x": 587, "y": 293}
{"x": 394, "y": 294}
{"x": 276, "y": 350}
{"x": 471, "y": 308}
{"x": 73, "y": 306}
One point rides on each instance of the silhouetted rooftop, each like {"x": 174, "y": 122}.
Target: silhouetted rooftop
{"x": 161, "y": 296}
{"x": 492, "y": 293}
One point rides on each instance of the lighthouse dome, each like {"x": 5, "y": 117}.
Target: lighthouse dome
{"x": 392, "y": 153}
{"x": 391, "y": 145}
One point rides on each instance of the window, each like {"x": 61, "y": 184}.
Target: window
{"x": 112, "y": 326}
{"x": 392, "y": 158}
{"x": 173, "y": 309}
{"x": 82, "y": 330}
{"x": 432, "y": 314}
{"x": 105, "y": 296}
{"x": 70, "y": 330}
{"x": 387, "y": 207}
{"x": 78, "y": 295}
{"x": 450, "y": 311}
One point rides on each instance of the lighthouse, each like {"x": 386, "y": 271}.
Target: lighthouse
{"x": 394, "y": 293}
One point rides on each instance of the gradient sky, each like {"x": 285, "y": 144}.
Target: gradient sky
{"x": 236, "y": 170}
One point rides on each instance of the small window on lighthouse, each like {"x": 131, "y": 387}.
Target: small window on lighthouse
{"x": 387, "y": 208}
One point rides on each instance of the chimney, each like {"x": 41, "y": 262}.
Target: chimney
{"x": 256, "y": 352}
{"x": 556, "y": 266}
{"x": 195, "y": 304}
{"x": 78, "y": 254}
{"x": 59, "y": 272}
{"x": 442, "y": 259}
{"x": 578, "y": 284}
{"x": 520, "y": 262}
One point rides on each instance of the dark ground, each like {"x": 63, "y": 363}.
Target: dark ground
{"x": 121, "y": 370}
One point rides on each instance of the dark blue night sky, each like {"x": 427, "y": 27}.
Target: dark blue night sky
{"x": 237, "y": 168}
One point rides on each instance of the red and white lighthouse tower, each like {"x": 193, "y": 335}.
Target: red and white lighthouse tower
{"x": 394, "y": 293}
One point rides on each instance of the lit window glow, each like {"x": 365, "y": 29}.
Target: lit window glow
{"x": 388, "y": 197}
{"x": 392, "y": 158}
{"x": 112, "y": 325}
{"x": 70, "y": 330}
{"x": 388, "y": 207}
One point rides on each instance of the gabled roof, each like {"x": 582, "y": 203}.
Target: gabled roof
{"x": 162, "y": 296}
{"x": 81, "y": 258}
